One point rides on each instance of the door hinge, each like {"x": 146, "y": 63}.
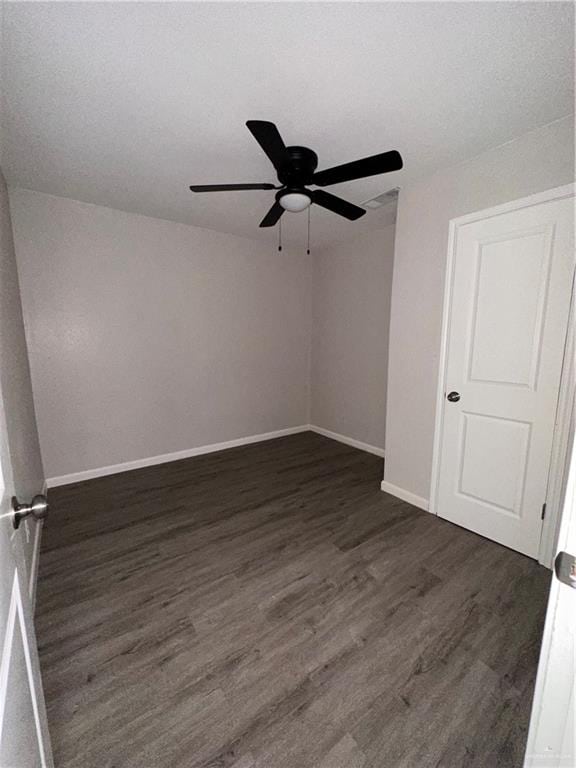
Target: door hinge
{"x": 543, "y": 515}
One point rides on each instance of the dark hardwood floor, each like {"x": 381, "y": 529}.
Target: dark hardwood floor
{"x": 269, "y": 607}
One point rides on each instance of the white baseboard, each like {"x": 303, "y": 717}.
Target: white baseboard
{"x": 348, "y": 440}
{"x": 400, "y": 493}
{"x": 90, "y": 474}
{"x": 113, "y": 469}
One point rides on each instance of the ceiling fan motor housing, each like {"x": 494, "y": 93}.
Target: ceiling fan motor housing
{"x": 300, "y": 170}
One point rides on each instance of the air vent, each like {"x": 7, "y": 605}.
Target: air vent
{"x": 386, "y": 197}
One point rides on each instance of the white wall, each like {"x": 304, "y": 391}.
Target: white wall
{"x": 148, "y": 337}
{"x": 532, "y": 163}
{"x": 351, "y": 293}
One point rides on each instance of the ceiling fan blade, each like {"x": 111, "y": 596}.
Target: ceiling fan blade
{"x": 359, "y": 169}
{"x": 337, "y": 205}
{"x": 267, "y": 135}
{"x": 228, "y": 187}
{"x": 272, "y": 216}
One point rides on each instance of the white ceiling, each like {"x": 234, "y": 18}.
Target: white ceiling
{"x": 126, "y": 104}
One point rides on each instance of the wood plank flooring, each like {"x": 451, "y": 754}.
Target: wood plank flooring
{"x": 269, "y": 607}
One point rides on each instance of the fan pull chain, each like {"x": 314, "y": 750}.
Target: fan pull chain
{"x": 308, "y": 248}
{"x": 280, "y": 235}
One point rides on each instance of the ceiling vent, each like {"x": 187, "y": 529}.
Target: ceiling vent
{"x": 386, "y": 197}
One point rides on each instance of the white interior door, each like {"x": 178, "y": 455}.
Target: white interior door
{"x": 552, "y": 734}
{"x": 24, "y": 741}
{"x": 510, "y": 299}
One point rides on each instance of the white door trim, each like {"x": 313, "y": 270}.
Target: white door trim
{"x": 567, "y": 384}
{"x": 552, "y": 703}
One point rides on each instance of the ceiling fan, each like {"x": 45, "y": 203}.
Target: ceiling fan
{"x": 296, "y": 170}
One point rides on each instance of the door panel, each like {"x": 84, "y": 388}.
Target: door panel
{"x": 495, "y": 478}
{"x": 24, "y": 740}
{"x": 518, "y": 263}
{"x": 19, "y": 695}
{"x": 511, "y": 294}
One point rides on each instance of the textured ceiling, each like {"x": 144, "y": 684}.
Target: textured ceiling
{"x": 126, "y": 104}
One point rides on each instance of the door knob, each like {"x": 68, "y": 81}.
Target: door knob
{"x": 38, "y": 508}
{"x": 565, "y": 569}
{"x": 453, "y": 397}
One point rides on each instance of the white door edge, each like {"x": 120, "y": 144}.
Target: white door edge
{"x": 553, "y": 701}
{"x": 34, "y": 564}
{"x": 33, "y": 579}
{"x": 567, "y": 385}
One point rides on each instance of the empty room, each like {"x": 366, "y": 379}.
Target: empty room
{"x": 287, "y": 385}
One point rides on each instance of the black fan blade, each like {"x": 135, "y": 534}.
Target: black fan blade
{"x": 267, "y": 135}
{"x": 359, "y": 169}
{"x": 228, "y": 187}
{"x": 337, "y": 205}
{"x": 273, "y": 215}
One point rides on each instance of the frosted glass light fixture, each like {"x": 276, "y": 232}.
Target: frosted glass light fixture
{"x": 295, "y": 201}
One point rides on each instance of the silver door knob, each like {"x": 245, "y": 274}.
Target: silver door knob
{"x": 565, "y": 569}
{"x": 38, "y": 508}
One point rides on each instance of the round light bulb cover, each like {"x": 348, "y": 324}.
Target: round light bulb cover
{"x": 295, "y": 201}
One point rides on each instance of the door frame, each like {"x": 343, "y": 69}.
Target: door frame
{"x": 567, "y": 388}
{"x": 550, "y": 708}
